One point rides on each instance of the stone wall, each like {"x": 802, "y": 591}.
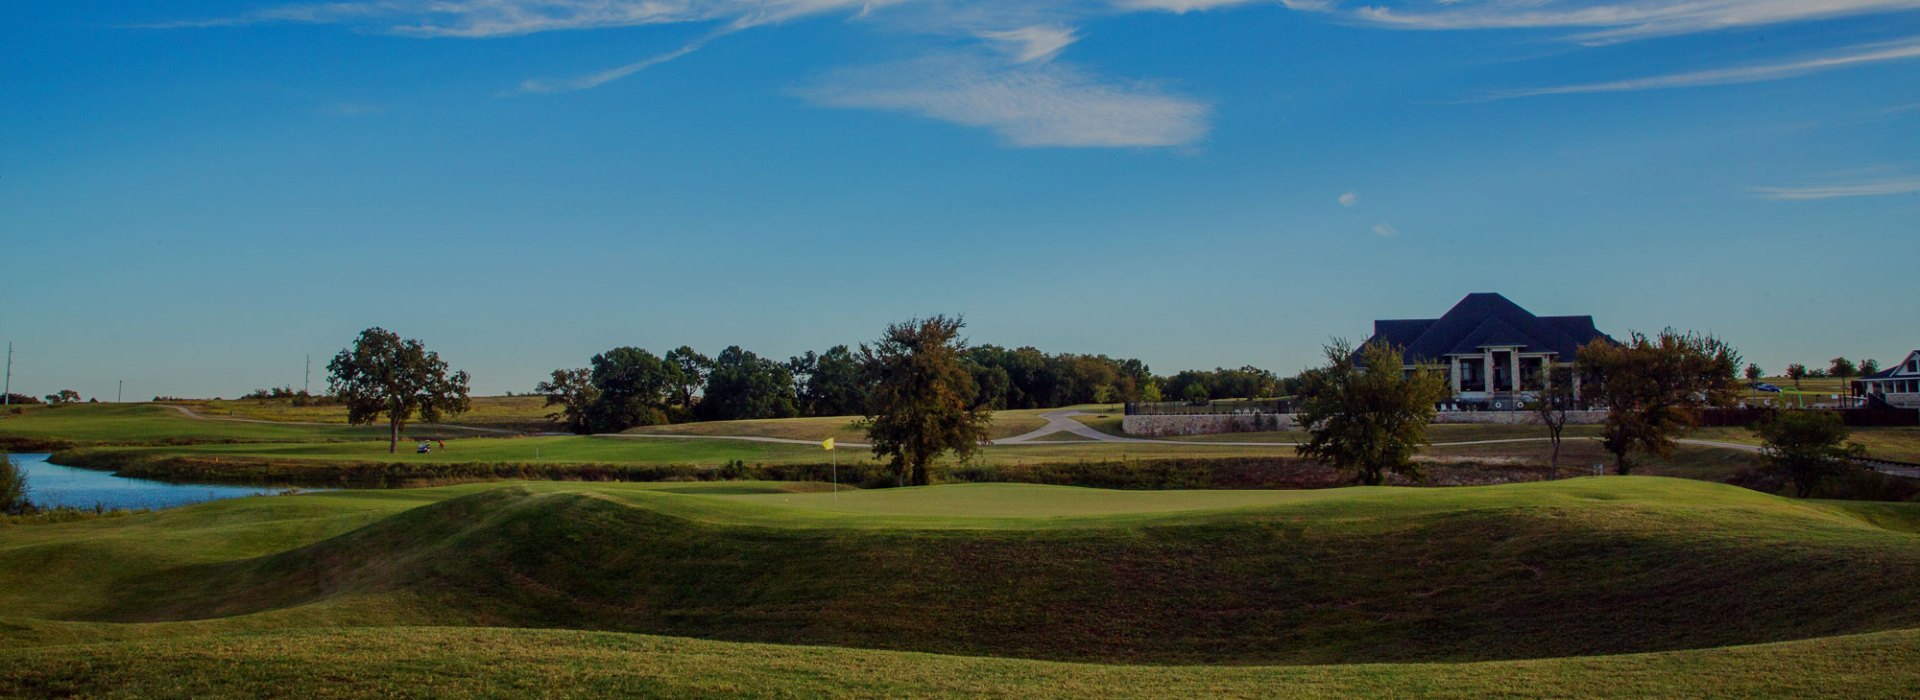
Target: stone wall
{"x": 1215, "y": 424}
{"x": 1204, "y": 424}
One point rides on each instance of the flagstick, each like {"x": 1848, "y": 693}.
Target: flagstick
{"x": 835, "y": 455}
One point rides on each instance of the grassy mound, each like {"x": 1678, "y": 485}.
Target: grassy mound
{"x": 1591, "y": 566}
{"x": 450, "y": 662}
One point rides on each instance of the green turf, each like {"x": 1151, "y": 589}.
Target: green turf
{"x": 523, "y": 413}
{"x": 1887, "y": 443}
{"x": 842, "y": 428}
{"x": 1581, "y": 567}
{"x": 134, "y": 424}
{"x": 504, "y": 663}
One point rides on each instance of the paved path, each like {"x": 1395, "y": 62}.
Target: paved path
{"x": 1063, "y": 422}
{"x": 741, "y": 438}
{"x": 1057, "y": 422}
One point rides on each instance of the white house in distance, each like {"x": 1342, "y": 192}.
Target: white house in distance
{"x": 1898, "y": 385}
{"x": 1491, "y": 350}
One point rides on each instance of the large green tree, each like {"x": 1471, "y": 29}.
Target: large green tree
{"x": 573, "y": 391}
{"x": 687, "y": 374}
{"x": 1365, "y": 414}
{"x": 835, "y": 383}
{"x": 1807, "y": 447}
{"x": 1653, "y": 387}
{"x": 742, "y": 386}
{"x": 383, "y": 375}
{"x": 634, "y": 386}
{"x": 1841, "y": 367}
{"x": 923, "y": 402}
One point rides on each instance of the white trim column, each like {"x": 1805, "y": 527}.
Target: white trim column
{"x": 1487, "y": 377}
{"x": 1513, "y": 358}
{"x": 1456, "y": 375}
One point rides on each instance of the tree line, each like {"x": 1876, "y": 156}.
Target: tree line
{"x": 628, "y": 387}
{"x": 1838, "y": 368}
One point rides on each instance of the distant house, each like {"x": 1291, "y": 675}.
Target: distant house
{"x": 1898, "y": 385}
{"x": 1491, "y": 350}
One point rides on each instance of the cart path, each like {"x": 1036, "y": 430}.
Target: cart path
{"x": 1063, "y": 422}
{"x": 1057, "y": 422}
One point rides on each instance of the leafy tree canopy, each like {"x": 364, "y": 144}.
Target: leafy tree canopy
{"x": 573, "y": 391}
{"x": 382, "y": 375}
{"x": 1652, "y": 388}
{"x": 1365, "y": 414}
{"x": 1807, "y": 447}
{"x": 924, "y": 399}
{"x": 742, "y": 385}
{"x": 633, "y": 385}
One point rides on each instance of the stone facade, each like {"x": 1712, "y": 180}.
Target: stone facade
{"x": 1216, "y": 424}
{"x": 1204, "y": 424}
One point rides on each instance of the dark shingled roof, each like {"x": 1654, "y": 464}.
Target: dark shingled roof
{"x": 1486, "y": 319}
{"x": 1893, "y": 371}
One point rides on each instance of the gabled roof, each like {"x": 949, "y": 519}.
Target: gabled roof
{"x": 1484, "y": 320}
{"x": 1897, "y": 370}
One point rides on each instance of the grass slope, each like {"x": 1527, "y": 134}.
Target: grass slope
{"x": 527, "y": 413}
{"x": 1581, "y": 567}
{"x": 499, "y": 663}
{"x": 158, "y": 442}
{"x": 842, "y": 428}
{"x": 147, "y": 424}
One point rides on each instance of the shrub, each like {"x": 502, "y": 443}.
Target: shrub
{"x": 13, "y": 487}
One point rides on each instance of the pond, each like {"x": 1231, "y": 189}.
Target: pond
{"x": 51, "y": 485}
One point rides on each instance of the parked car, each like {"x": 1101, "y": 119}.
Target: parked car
{"x": 1763, "y": 386}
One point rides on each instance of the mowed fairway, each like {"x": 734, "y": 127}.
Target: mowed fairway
{"x": 706, "y": 588}
{"x": 501, "y": 663}
{"x": 137, "y": 424}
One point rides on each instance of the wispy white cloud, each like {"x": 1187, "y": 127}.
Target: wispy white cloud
{"x": 1349, "y": 199}
{"x": 1852, "y": 56}
{"x": 594, "y": 80}
{"x": 1857, "y": 189}
{"x": 476, "y": 19}
{"x": 1385, "y": 230}
{"x": 1607, "y": 21}
{"x": 1178, "y": 6}
{"x": 1028, "y": 99}
{"x": 1035, "y": 43}
{"x": 1028, "y": 105}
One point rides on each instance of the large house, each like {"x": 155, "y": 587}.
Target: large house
{"x": 1898, "y": 385}
{"x": 1489, "y": 349}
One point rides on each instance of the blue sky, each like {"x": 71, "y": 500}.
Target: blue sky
{"x": 195, "y": 196}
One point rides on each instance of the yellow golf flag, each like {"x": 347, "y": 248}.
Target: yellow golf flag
{"x": 826, "y": 444}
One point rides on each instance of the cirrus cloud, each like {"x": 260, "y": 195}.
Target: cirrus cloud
{"x": 1045, "y": 104}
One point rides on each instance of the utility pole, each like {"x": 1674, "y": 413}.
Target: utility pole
{"x": 120, "y": 391}
{"x": 6, "y": 395}
{"x": 306, "y": 385}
